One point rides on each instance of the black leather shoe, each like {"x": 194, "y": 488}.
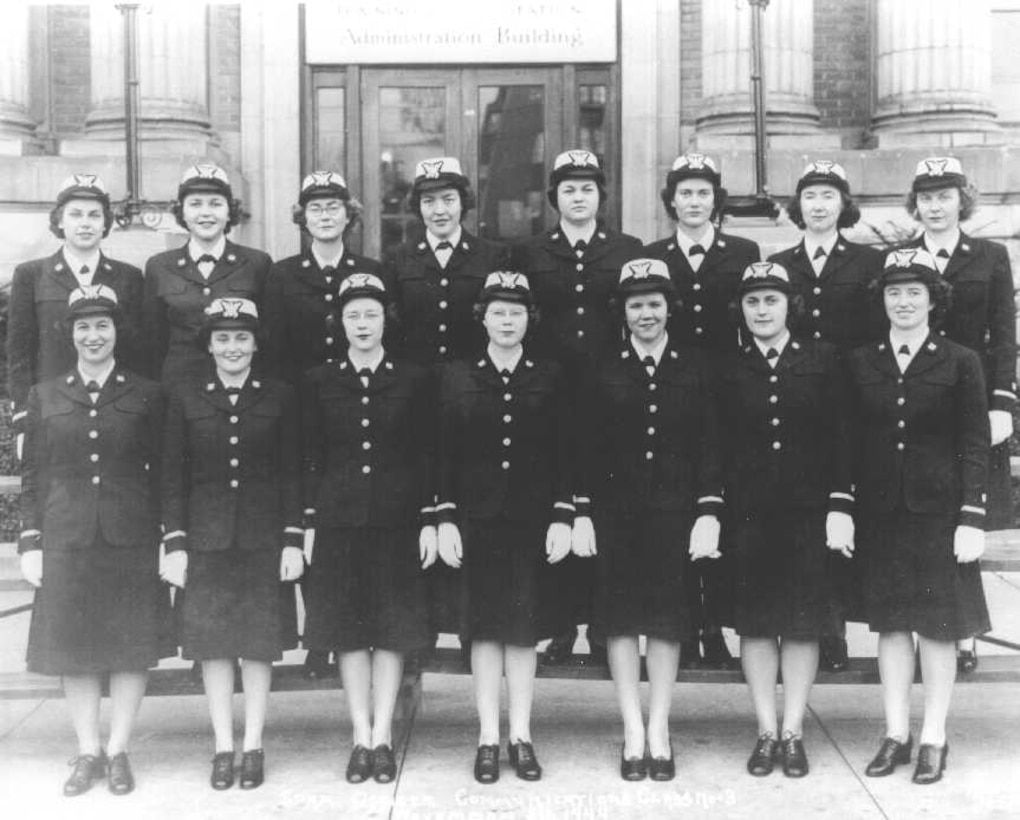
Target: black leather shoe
{"x": 487, "y": 763}
{"x": 522, "y": 758}
{"x": 252, "y": 769}
{"x": 560, "y": 648}
{"x": 359, "y": 767}
{"x": 891, "y": 753}
{"x": 120, "y": 780}
{"x": 794, "y": 758}
{"x": 662, "y": 768}
{"x": 717, "y": 654}
{"x": 833, "y": 653}
{"x": 966, "y": 660}
{"x": 931, "y": 762}
{"x": 762, "y": 759}
{"x": 633, "y": 768}
{"x": 222, "y": 776}
{"x": 384, "y": 764}
{"x": 690, "y": 654}
{"x": 317, "y": 665}
{"x": 87, "y": 770}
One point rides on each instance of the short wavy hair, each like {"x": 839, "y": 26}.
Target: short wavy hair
{"x": 467, "y": 198}
{"x": 57, "y": 213}
{"x": 718, "y": 201}
{"x": 968, "y": 200}
{"x": 939, "y": 291}
{"x": 795, "y": 312}
{"x": 234, "y": 217}
{"x": 849, "y": 215}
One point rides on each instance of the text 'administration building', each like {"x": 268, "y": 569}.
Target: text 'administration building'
{"x": 272, "y": 90}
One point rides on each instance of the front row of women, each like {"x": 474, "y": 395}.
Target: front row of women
{"x": 784, "y": 431}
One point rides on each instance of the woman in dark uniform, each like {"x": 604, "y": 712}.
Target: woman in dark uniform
{"x": 231, "y": 517}
{"x": 90, "y": 540}
{"x": 436, "y": 277}
{"x": 982, "y": 316}
{"x": 923, "y": 448}
{"x": 504, "y": 508}
{"x": 301, "y": 311}
{"x": 181, "y": 283}
{"x": 573, "y": 268}
{"x": 38, "y": 347}
{"x": 705, "y": 266}
{"x": 831, "y": 275}
{"x": 368, "y": 437}
{"x": 788, "y": 473}
{"x": 651, "y": 475}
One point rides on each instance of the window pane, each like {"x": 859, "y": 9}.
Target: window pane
{"x": 511, "y": 161}
{"x": 331, "y": 129}
{"x": 412, "y": 127}
{"x": 592, "y": 115}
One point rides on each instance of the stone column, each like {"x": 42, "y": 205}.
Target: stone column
{"x": 17, "y": 129}
{"x": 172, "y": 74}
{"x": 934, "y": 73}
{"x": 726, "y": 118}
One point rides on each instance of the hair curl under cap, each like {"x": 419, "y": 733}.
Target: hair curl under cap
{"x": 938, "y": 172}
{"x": 506, "y": 285}
{"x": 205, "y": 177}
{"x": 82, "y": 186}
{"x": 321, "y": 184}
{"x": 824, "y": 172}
{"x": 89, "y": 300}
{"x": 363, "y": 285}
{"x": 644, "y": 276}
{"x": 765, "y": 276}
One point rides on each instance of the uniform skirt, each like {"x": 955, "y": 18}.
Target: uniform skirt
{"x": 911, "y": 581}
{"x": 234, "y": 606}
{"x": 782, "y": 575}
{"x": 367, "y": 591}
{"x": 100, "y": 609}
{"x": 503, "y": 575}
{"x": 641, "y": 565}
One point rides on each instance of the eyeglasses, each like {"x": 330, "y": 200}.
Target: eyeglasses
{"x": 333, "y": 209}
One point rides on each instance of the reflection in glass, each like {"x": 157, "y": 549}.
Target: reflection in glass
{"x": 412, "y": 127}
{"x": 511, "y": 161}
{"x": 591, "y": 132}
{"x": 331, "y": 129}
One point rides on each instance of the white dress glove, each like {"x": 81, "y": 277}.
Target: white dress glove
{"x": 582, "y": 537}
{"x": 292, "y": 563}
{"x": 839, "y": 532}
{"x": 968, "y": 544}
{"x": 174, "y": 568}
{"x": 449, "y": 546}
{"x": 705, "y": 538}
{"x": 31, "y": 567}
{"x": 557, "y": 542}
{"x": 308, "y": 545}
{"x": 1001, "y": 423}
{"x": 428, "y": 546}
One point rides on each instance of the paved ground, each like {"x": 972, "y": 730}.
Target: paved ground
{"x": 577, "y": 735}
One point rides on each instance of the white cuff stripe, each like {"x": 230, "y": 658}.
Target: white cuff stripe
{"x": 563, "y": 505}
{"x": 705, "y": 498}
{"x": 970, "y": 509}
{"x": 1004, "y": 393}
{"x": 582, "y": 499}
{"x": 446, "y": 505}
{"x": 847, "y": 496}
{"x": 295, "y": 530}
{"x": 174, "y": 534}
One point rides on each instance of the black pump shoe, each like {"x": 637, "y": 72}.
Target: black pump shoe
{"x": 222, "y": 776}
{"x": 633, "y": 769}
{"x": 384, "y": 763}
{"x": 252, "y": 769}
{"x": 931, "y": 762}
{"x": 359, "y": 767}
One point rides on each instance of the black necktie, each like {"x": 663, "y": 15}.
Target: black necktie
{"x": 580, "y": 246}
{"x": 233, "y": 391}
{"x": 772, "y": 354}
{"x": 366, "y": 374}
{"x": 649, "y": 363}
{"x": 328, "y": 272}
{"x": 904, "y": 350}
{"x": 207, "y": 257}
{"x": 92, "y": 387}
{"x": 84, "y": 270}
{"x": 943, "y": 253}
{"x": 696, "y": 250}
{"x": 505, "y": 375}
{"x": 819, "y": 253}
{"x": 444, "y": 246}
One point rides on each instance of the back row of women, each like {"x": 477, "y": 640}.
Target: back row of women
{"x": 388, "y": 418}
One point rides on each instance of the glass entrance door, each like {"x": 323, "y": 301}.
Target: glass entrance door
{"x": 503, "y": 124}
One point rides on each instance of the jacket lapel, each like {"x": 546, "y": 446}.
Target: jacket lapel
{"x": 72, "y": 387}
{"x": 228, "y": 263}
{"x": 963, "y": 256}
{"x": 58, "y": 270}
{"x": 931, "y": 353}
{"x": 555, "y": 243}
{"x": 882, "y": 358}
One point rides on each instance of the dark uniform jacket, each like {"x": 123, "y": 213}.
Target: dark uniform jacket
{"x": 650, "y": 442}
{"x": 92, "y": 470}
{"x": 923, "y": 440}
{"x": 504, "y": 446}
{"x": 176, "y": 295}
{"x": 704, "y": 319}
{"x": 435, "y": 304}
{"x": 982, "y": 315}
{"x": 787, "y": 440}
{"x": 300, "y": 315}
{"x": 573, "y": 292}
{"x": 838, "y": 305}
{"x": 368, "y": 451}
{"x": 231, "y": 474}
{"x": 38, "y": 349}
